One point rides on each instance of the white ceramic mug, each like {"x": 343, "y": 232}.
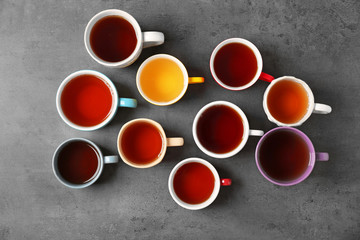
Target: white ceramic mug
{"x": 144, "y": 39}
{"x": 259, "y": 74}
{"x": 218, "y": 182}
{"x": 312, "y": 106}
{"x": 116, "y": 101}
{"x": 247, "y": 131}
{"x": 101, "y": 158}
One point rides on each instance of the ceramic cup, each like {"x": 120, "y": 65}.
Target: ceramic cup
{"x": 246, "y": 131}
{"x": 259, "y": 74}
{"x": 218, "y": 182}
{"x": 166, "y": 142}
{"x": 101, "y": 158}
{"x": 157, "y": 75}
{"x": 116, "y": 101}
{"x": 313, "y": 107}
{"x": 144, "y": 39}
{"x": 314, "y": 156}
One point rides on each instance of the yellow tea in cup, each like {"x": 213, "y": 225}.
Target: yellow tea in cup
{"x": 162, "y": 79}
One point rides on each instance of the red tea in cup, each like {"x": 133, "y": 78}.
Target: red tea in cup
{"x": 194, "y": 183}
{"x": 86, "y": 100}
{"x": 78, "y": 162}
{"x": 113, "y": 39}
{"x": 220, "y": 129}
{"x": 235, "y": 64}
{"x": 142, "y": 143}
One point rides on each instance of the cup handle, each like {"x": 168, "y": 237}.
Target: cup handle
{"x": 193, "y": 80}
{"x": 258, "y": 133}
{"x": 322, "y": 108}
{"x": 127, "y": 102}
{"x": 152, "y": 39}
{"x": 111, "y": 159}
{"x": 225, "y": 181}
{"x": 322, "y": 156}
{"x": 266, "y": 77}
{"x": 174, "y": 142}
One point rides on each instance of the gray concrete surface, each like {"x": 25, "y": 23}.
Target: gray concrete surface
{"x": 41, "y": 42}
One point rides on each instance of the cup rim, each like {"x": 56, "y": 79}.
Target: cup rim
{"x": 67, "y": 183}
{"x": 114, "y": 12}
{"x": 213, "y": 195}
{"x": 256, "y": 53}
{"x": 164, "y": 145}
{"x": 308, "y": 170}
{"x": 245, "y": 126}
{"x": 310, "y": 95}
{"x": 115, "y": 99}
{"x": 171, "y": 58}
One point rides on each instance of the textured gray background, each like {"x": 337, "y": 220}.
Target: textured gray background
{"x": 41, "y": 42}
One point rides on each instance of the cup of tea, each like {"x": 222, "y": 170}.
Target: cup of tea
{"x": 78, "y": 163}
{"x": 236, "y": 64}
{"x": 221, "y": 129}
{"x": 289, "y": 101}
{"x": 114, "y": 39}
{"x": 194, "y": 183}
{"x": 87, "y": 100}
{"x": 285, "y": 156}
{"x": 142, "y": 143}
{"x": 162, "y": 79}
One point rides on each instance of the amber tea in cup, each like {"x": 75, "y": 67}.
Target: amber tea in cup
{"x": 288, "y": 101}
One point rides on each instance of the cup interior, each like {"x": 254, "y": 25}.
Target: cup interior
{"x": 58, "y": 174}
{"x": 122, "y": 151}
{"x": 254, "y": 50}
{"x": 245, "y": 124}
{"x": 200, "y": 205}
{"x": 144, "y": 70}
{"x": 310, "y": 96}
{"x": 109, "y": 84}
{"x": 127, "y": 17}
{"x": 310, "y": 164}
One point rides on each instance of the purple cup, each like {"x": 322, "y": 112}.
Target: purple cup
{"x": 314, "y": 156}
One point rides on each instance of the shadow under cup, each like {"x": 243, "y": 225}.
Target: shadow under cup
{"x": 285, "y": 156}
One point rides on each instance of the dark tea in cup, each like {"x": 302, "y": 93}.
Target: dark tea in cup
{"x": 220, "y": 129}
{"x": 235, "y": 64}
{"x": 78, "y": 162}
{"x": 113, "y": 39}
{"x": 284, "y": 155}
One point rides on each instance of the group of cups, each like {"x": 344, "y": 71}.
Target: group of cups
{"x": 87, "y": 100}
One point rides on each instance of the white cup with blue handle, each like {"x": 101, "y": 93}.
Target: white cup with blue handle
{"x": 116, "y": 101}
